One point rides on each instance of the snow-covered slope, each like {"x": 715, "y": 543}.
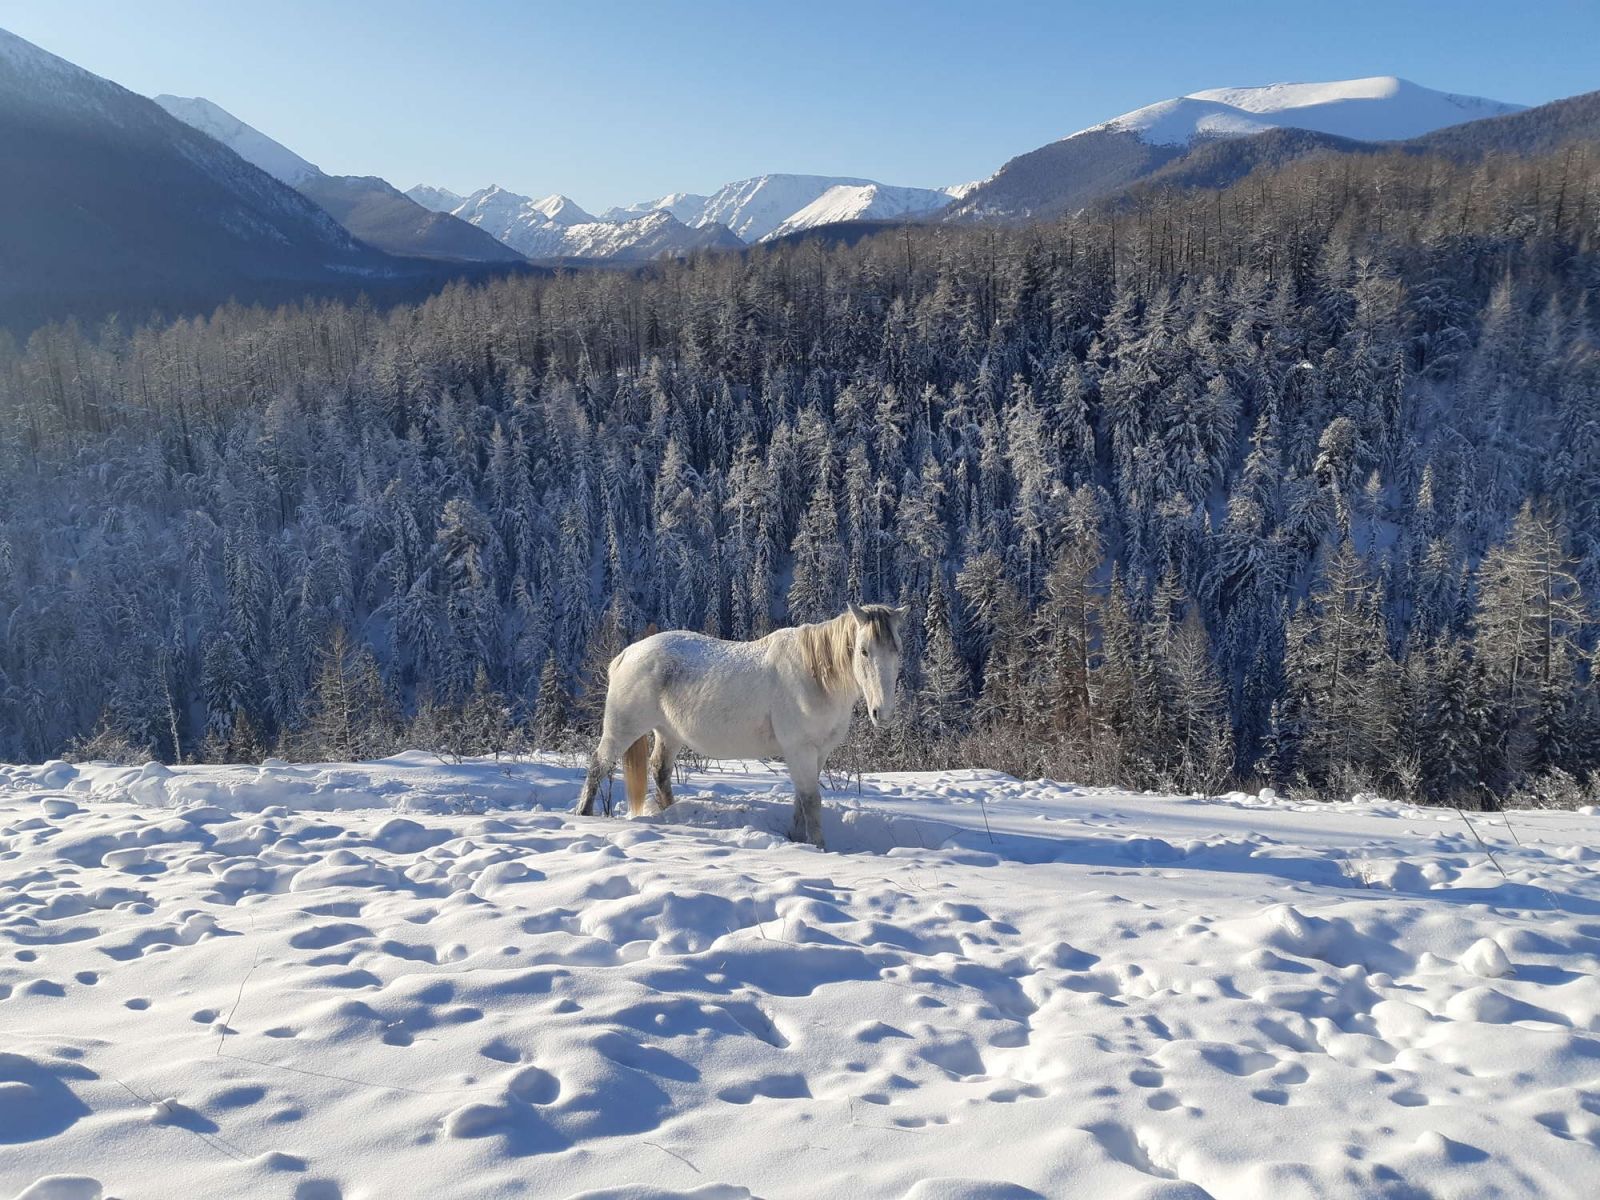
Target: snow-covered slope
{"x": 435, "y": 199}
{"x": 862, "y": 202}
{"x": 1381, "y": 108}
{"x": 347, "y": 979}
{"x": 247, "y": 142}
{"x": 643, "y": 238}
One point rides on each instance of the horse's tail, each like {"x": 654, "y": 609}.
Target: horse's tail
{"x": 636, "y": 773}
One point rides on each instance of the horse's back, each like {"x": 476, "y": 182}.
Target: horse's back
{"x": 676, "y": 658}
{"x": 713, "y": 695}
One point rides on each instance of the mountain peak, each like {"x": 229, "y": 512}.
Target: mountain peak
{"x": 561, "y": 209}
{"x": 435, "y": 199}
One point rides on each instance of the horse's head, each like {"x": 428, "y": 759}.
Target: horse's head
{"x": 875, "y": 657}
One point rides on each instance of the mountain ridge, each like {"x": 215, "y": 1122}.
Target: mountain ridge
{"x": 369, "y": 207}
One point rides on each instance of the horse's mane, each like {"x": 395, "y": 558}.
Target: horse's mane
{"x": 825, "y": 648}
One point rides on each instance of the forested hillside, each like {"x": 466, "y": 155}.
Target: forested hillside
{"x": 1297, "y": 481}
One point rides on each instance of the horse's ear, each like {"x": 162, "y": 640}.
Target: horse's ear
{"x": 855, "y": 611}
{"x": 899, "y": 614}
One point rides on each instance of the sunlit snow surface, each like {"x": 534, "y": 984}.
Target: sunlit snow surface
{"x": 411, "y": 978}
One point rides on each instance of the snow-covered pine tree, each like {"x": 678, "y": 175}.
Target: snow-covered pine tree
{"x": 350, "y": 714}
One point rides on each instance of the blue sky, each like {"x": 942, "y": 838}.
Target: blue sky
{"x": 620, "y": 101}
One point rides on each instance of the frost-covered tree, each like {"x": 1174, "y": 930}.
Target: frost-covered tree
{"x": 350, "y": 715}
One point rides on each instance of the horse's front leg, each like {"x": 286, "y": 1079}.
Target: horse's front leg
{"x": 805, "y": 766}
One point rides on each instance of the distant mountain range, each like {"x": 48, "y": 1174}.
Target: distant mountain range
{"x": 555, "y": 228}
{"x": 736, "y": 215}
{"x": 1204, "y": 138}
{"x": 114, "y": 200}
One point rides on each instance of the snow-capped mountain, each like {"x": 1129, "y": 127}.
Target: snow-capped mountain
{"x": 1381, "y": 108}
{"x": 435, "y": 199}
{"x": 537, "y": 228}
{"x": 1096, "y": 163}
{"x": 250, "y": 144}
{"x": 368, "y": 207}
{"x": 557, "y": 227}
{"x": 864, "y": 202}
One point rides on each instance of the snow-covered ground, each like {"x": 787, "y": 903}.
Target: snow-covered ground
{"x": 409, "y": 978}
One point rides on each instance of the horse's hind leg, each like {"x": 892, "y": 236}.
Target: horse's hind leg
{"x": 601, "y": 765}
{"x": 599, "y": 769}
{"x": 661, "y": 760}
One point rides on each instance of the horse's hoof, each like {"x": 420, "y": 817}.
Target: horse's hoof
{"x": 801, "y": 837}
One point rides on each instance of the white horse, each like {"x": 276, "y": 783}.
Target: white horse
{"x": 790, "y": 695}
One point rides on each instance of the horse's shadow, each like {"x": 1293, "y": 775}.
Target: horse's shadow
{"x": 852, "y": 826}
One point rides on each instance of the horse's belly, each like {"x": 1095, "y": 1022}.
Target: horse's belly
{"x": 741, "y": 735}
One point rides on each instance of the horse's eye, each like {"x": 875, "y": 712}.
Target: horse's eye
{"x": 863, "y": 652}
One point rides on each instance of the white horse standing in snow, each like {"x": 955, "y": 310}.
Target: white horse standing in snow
{"x": 790, "y": 695}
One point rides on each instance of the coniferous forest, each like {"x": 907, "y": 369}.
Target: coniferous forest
{"x": 1294, "y": 483}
